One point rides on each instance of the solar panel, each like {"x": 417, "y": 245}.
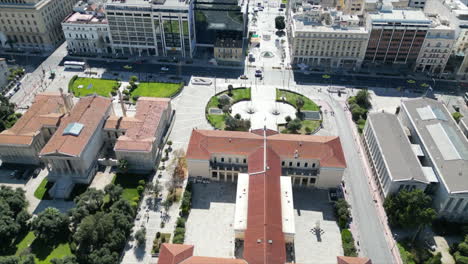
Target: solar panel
{"x": 439, "y": 114}
{"x": 457, "y": 142}
{"x": 443, "y": 142}
{"x": 73, "y": 129}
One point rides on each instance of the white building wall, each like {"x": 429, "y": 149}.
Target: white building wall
{"x": 435, "y": 50}
{"x": 329, "y": 177}
{"x": 198, "y": 168}
{"x": 86, "y": 38}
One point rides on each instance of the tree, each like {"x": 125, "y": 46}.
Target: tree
{"x": 122, "y": 165}
{"x": 230, "y": 88}
{"x": 299, "y": 104}
{"x": 409, "y": 209}
{"x": 64, "y": 260}
{"x": 50, "y": 224}
{"x": 288, "y": 119}
{"x": 279, "y": 23}
{"x": 92, "y": 200}
{"x": 294, "y": 125}
{"x": 15, "y": 199}
{"x": 342, "y": 212}
{"x": 22, "y": 219}
{"x": 223, "y": 101}
{"x": 363, "y": 99}
{"x": 9, "y": 260}
{"x": 457, "y": 116}
{"x": 128, "y": 67}
{"x": 140, "y": 236}
{"x": 9, "y": 229}
{"x": 122, "y": 206}
{"x": 103, "y": 256}
{"x": 28, "y": 259}
{"x": 114, "y": 192}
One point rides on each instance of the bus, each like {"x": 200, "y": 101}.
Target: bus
{"x": 74, "y": 65}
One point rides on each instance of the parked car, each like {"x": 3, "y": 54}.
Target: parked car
{"x": 36, "y": 172}
{"x": 243, "y": 77}
{"x": 164, "y": 69}
{"x": 258, "y": 73}
{"x": 14, "y": 174}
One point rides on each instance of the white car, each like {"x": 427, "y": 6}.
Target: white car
{"x": 164, "y": 69}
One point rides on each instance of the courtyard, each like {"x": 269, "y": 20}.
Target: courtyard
{"x": 312, "y": 209}
{"x": 210, "y": 223}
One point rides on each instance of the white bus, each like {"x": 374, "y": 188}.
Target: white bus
{"x": 74, "y": 65}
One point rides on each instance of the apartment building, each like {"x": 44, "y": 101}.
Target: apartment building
{"x": 396, "y": 35}
{"x": 309, "y": 160}
{"x": 436, "y": 48}
{"x": 33, "y": 25}
{"x": 325, "y": 39}
{"x": 22, "y": 143}
{"x": 228, "y": 51}
{"x": 4, "y": 73}
{"x": 393, "y": 159}
{"x": 151, "y": 28}
{"x": 444, "y": 148}
{"x": 86, "y": 30}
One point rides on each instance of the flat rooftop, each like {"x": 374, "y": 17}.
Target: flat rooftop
{"x": 442, "y": 139}
{"x": 77, "y": 127}
{"x": 407, "y": 16}
{"x": 144, "y": 5}
{"x": 78, "y": 18}
{"x": 396, "y": 148}
{"x": 45, "y": 111}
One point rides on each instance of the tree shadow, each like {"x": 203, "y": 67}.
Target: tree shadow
{"x": 139, "y": 251}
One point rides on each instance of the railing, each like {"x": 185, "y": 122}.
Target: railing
{"x": 228, "y": 166}
{"x": 299, "y": 171}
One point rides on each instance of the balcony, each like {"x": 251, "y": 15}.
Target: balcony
{"x": 300, "y": 171}
{"x": 242, "y": 168}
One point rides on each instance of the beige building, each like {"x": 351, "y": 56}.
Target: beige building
{"x": 71, "y": 153}
{"x": 22, "y": 143}
{"x": 228, "y": 50}
{"x": 138, "y": 139}
{"x": 86, "y": 30}
{"x": 324, "y": 39}
{"x": 33, "y": 24}
{"x": 436, "y": 48}
{"x": 313, "y": 161}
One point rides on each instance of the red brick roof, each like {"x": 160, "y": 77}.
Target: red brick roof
{"x": 174, "y": 253}
{"x": 141, "y": 129}
{"x": 328, "y": 150}
{"x": 264, "y": 239}
{"x": 353, "y": 260}
{"x": 89, "y": 111}
{"x": 46, "y": 110}
{"x": 209, "y": 260}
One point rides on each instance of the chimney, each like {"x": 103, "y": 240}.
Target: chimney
{"x": 124, "y": 112}
{"x": 66, "y": 101}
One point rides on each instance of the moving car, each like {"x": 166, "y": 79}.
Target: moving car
{"x": 258, "y": 73}
{"x": 164, "y": 69}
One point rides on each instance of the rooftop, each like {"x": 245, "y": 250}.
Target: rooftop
{"x": 396, "y": 148}
{"x": 405, "y": 16}
{"x": 88, "y": 112}
{"x": 442, "y": 139}
{"x": 327, "y": 149}
{"x": 46, "y": 111}
{"x": 79, "y": 18}
{"x": 140, "y": 129}
{"x": 144, "y": 5}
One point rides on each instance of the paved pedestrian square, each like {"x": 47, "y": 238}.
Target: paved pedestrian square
{"x": 311, "y": 208}
{"x": 210, "y": 223}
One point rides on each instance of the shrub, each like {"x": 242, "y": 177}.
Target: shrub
{"x": 288, "y": 119}
{"x": 178, "y": 239}
{"x": 70, "y": 83}
{"x": 140, "y": 189}
{"x": 348, "y": 243}
{"x": 140, "y": 236}
{"x": 113, "y": 93}
{"x": 135, "y": 97}
{"x": 308, "y": 130}
{"x": 181, "y": 222}
{"x": 162, "y": 225}
{"x": 179, "y": 231}
{"x": 158, "y": 234}
{"x": 141, "y": 182}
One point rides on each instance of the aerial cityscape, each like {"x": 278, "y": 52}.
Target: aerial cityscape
{"x": 233, "y": 131}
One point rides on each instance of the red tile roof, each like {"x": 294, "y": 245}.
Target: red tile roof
{"x": 89, "y": 111}
{"x": 174, "y": 253}
{"x": 264, "y": 222}
{"x": 141, "y": 129}
{"x": 328, "y": 150}
{"x": 353, "y": 260}
{"x": 209, "y": 260}
{"x": 46, "y": 110}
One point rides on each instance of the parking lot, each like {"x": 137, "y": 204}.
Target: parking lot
{"x": 322, "y": 245}
{"x": 210, "y": 223}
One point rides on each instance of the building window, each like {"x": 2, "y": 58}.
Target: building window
{"x": 313, "y": 180}
{"x": 222, "y": 159}
{"x": 290, "y": 164}
{"x": 306, "y": 165}
{"x": 245, "y": 161}
{"x": 282, "y": 163}
{"x": 298, "y": 164}
{"x": 214, "y": 174}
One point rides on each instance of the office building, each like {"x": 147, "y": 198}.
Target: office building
{"x": 326, "y": 39}
{"x": 86, "y": 30}
{"x": 396, "y": 36}
{"x": 228, "y": 51}
{"x": 22, "y": 143}
{"x": 436, "y": 48}
{"x": 151, "y": 28}
{"x": 393, "y": 159}
{"x": 444, "y": 148}
{"x": 33, "y": 25}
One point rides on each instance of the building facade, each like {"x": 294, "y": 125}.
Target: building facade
{"x": 86, "y": 30}
{"x": 393, "y": 159}
{"x": 444, "y": 148}
{"x": 151, "y": 28}
{"x": 326, "y": 39}
{"x": 33, "y": 25}
{"x": 436, "y": 49}
{"x": 4, "y": 73}
{"x": 396, "y": 36}
{"x": 228, "y": 51}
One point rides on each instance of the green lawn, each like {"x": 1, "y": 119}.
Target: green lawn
{"x": 312, "y": 124}
{"x": 291, "y": 98}
{"x": 129, "y": 183}
{"x": 42, "y": 253}
{"x": 238, "y": 94}
{"x": 155, "y": 89}
{"x": 99, "y": 86}
{"x": 42, "y": 192}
